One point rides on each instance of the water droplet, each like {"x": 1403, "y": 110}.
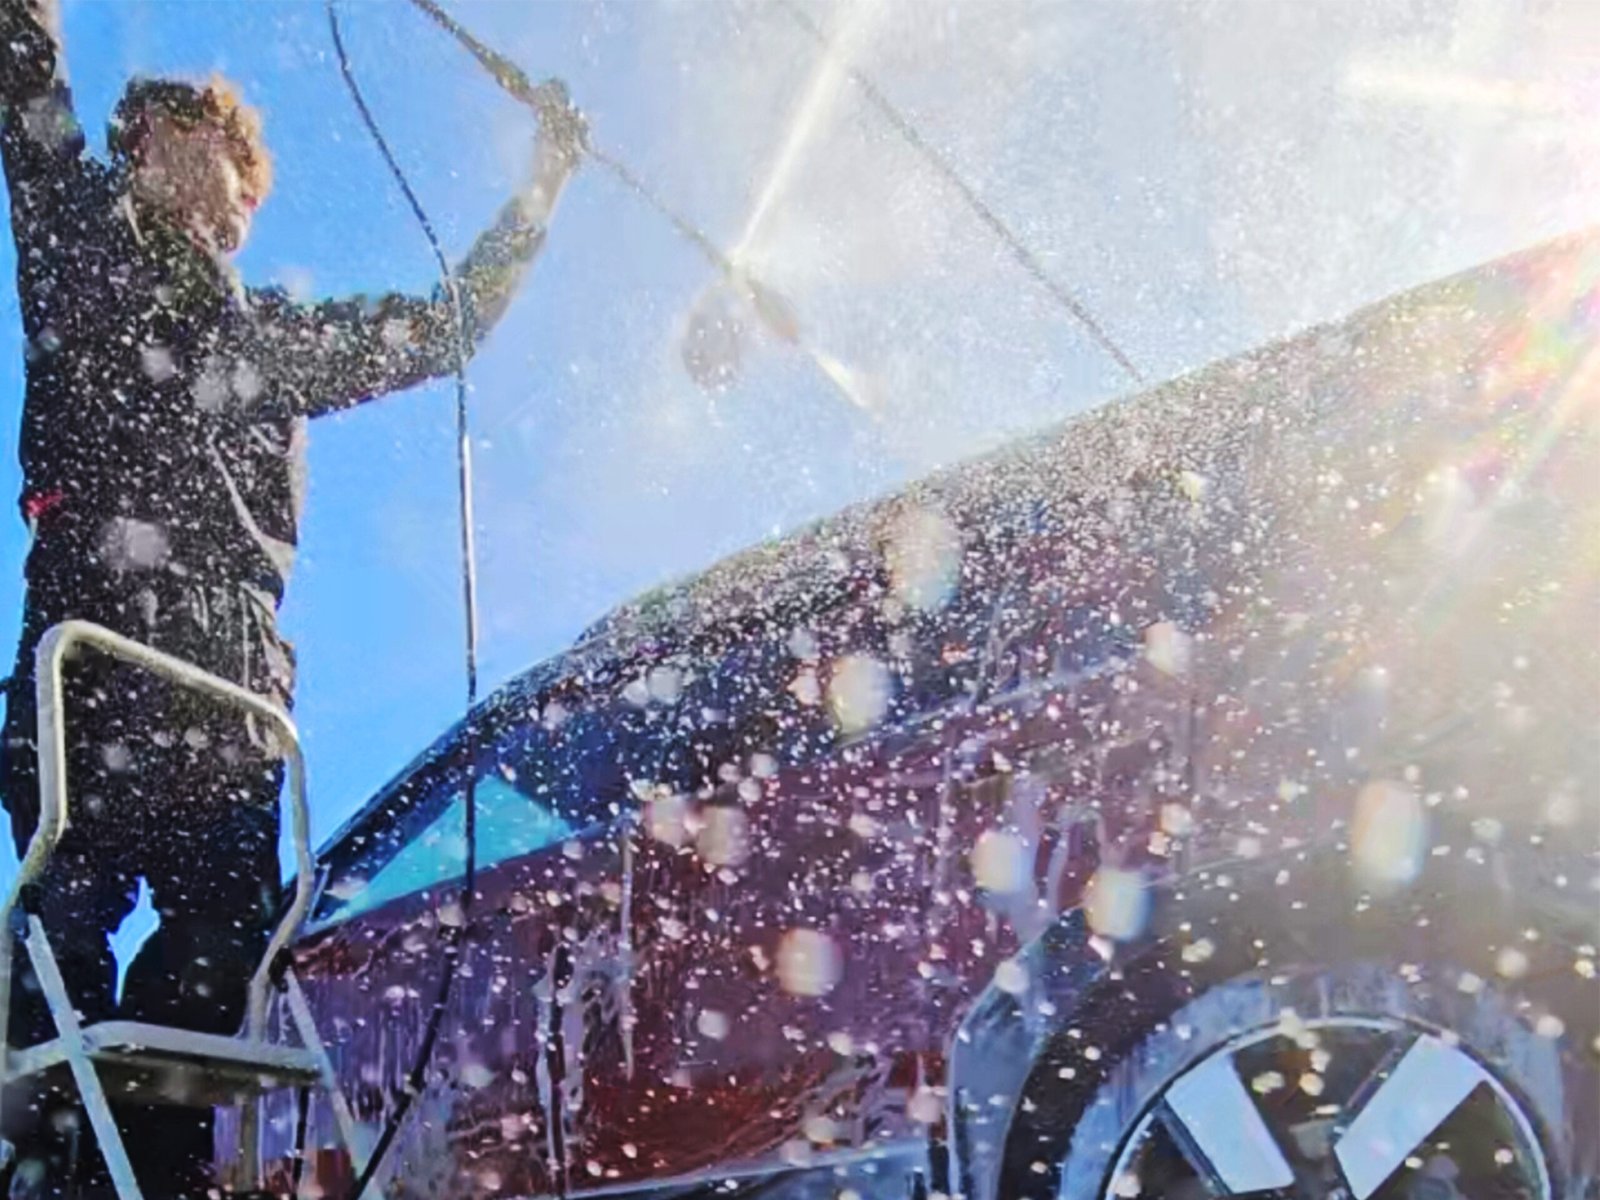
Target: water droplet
{"x": 809, "y": 964}
{"x": 1116, "y": 903}
{"x": 1388, "y": 835}
{"x": 806, "y": 689}
{"x": 858, "y": 692}
{"x": 724, "y": 838}
{"x": 1000, "y": 862}
{"x": 820, "y": 1129}
{"x": 863, "y": 826}
{"x": 1511, "y": 963}
{"x": 666, "y": 817}
{"x": 924, "y": 559}
{"x": 1167, "y": 648}
{"x": 664, "y": 684}
{"x": 156, "y": 362}
{"x": 1011, "y": 977}
{"x": 796, "y": 1153}
{"x": 1267, "y": 1082}
{"x": 925, "y": 1107}
{"x": 1549, "y": 1026}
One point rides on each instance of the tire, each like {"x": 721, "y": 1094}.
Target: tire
{"x": 1402, "y": 1001}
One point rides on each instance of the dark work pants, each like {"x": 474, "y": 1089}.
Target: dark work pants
{"x": 163, "y": 788}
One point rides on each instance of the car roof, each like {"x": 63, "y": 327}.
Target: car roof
{"x": 1086, "y": 460}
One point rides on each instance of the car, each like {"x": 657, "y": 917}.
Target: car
{"x": 1200, "y": 798}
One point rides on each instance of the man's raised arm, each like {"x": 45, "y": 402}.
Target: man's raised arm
{"x": 40, "y": 138}
{"x": 339, "y": 353}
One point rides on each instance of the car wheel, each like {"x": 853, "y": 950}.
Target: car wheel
{"x": 1353, "y": 1081}
{"x": 1304, "y": 1039}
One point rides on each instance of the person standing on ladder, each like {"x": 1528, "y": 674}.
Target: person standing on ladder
{"x": 162, "y": 449}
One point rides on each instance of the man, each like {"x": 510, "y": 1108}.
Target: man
{"x": 162, "y": 453}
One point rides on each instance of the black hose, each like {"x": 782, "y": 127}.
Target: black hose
{"x": 453, "y": 934}
{"x": 302, "y": 1121}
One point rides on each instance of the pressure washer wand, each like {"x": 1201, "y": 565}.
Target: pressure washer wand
{"x": 775, "y": 313}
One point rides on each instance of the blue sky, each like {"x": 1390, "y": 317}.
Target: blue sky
{"x": 1205, "y": 175}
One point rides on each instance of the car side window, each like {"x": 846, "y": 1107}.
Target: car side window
{"x": 510, "y": 825}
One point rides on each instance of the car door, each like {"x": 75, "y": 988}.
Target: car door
{"x": 534, "y": 1008}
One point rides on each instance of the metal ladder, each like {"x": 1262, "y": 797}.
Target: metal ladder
{"x": 157, "y": 1063}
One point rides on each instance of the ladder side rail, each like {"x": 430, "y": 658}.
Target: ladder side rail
{"x": 90, "y": 1090}
{"x": 52, "y": 770}
{"x": 54, "y": 647}
{"x": 349, "y": 1129}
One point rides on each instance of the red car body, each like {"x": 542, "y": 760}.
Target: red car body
{"x": 754, "y": 853}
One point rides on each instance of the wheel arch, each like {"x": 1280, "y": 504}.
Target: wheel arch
{"x": 1005, "y": 1084}
{"x": 999, "y": 1043}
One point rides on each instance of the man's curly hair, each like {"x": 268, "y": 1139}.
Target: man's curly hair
{"x": 216, "y": 102}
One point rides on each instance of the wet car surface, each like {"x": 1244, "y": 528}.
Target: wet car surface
{"x": 842, "y": 849}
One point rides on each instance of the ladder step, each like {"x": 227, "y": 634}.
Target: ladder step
{"x": 159, "y": 1064}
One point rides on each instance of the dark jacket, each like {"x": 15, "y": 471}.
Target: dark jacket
{"x": 164, "y": 424}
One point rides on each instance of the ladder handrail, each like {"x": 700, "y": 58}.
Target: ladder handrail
{"x": 56, "y": 644}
